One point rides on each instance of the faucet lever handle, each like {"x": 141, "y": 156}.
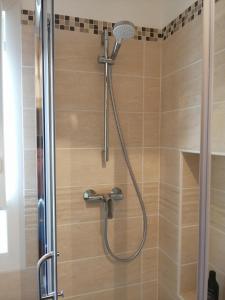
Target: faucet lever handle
{"x": 116, "y": 194}
{"x": 90, "y": 196}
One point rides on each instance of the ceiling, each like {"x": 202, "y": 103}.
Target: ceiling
{"x": 149, "y": 13}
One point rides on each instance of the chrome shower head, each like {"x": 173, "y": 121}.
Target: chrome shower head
{"x": 122, "y": 30}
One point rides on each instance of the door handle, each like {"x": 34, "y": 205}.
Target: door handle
{"x": 41, "y": 261}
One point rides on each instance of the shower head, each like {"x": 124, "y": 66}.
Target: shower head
{"x": 122, "y": 30}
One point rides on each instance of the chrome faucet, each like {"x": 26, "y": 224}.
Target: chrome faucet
{"x": 90, "y": 196}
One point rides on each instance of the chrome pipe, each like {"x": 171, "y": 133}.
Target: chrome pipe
{"x": 106, "y": 101}
{"x": 52, "y": 160}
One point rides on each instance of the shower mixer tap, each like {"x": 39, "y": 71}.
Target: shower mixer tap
{"x": 90, "y": 196}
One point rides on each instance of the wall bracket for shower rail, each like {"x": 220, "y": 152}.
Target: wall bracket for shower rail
{"x": 90, "y": 196}
{"x": 105, "y": 60}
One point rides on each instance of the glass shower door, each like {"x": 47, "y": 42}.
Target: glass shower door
{"x": 18, "y": 190}
{"x": 216, "y": 265}
{"x": 27, "y": 182}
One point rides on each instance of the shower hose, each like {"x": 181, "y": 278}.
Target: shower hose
{"x": 134, "y": 181}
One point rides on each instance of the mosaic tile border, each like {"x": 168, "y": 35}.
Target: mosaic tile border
{"x": 64, "y": 22}
{"x": 183, "y": 19}
{"x": 27, "y": 17}
{"x": 92, "y": 26}
{"x": 97, "y": 27}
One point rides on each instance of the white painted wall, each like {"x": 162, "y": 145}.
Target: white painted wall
{"x": 149, "y": 13}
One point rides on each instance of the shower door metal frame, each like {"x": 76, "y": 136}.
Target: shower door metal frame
{"x": 44, "y": 86}
{"x": 205, "y": 149}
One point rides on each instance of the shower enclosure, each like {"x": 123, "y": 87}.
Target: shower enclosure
{"x": 112, "y": 149}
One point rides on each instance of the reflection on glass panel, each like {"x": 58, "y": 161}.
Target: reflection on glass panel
{"x": 217, "y": 203}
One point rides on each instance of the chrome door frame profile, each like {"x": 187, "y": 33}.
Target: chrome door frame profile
{"x": 205, "y": 151}
{"x": 44, "y": 93}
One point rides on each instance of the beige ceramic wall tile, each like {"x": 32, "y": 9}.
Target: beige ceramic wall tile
{"x": 130, "y": 58}
{"x": 218, "y": 171}
{"x": 130, "y": 206}
{"x": 150, "y": 290}
{"x": 78, "y": 91}
{"x": 168, "y": 238}
{"x": 72, "y": 208}
{"x": 72, "y": 92}
{"x": 100, "y": 273}
{"x": 167, "y": 274}
{"x": 151, "y": 94}
{"x": 217, "y": 209}
{"x": 29, "y": 288}
{"x": 151, "y": 165}
{"x": 152, "y": 59}
{"x": 181, "y": 129}
{"x": 165, "y": 294}
{"x": 218, "y": 78}
{"x": 79, "y": 167}
{"x": 218, "y": 126}
{"x": 190, "y": 207}
{"x": 29, "y": 129}
{"x": 123, "y": 293}
{"x": 188, "y": 278}
{"x": 183, "y": 48}
{"x": 6, "y": 281}
{"x": 170, "y": 166}
{"x": 169, "y": 202}
{"x": 182, "y": 89}
{"x": 219, "y": 26}
{"x": 190, "y": 295}
{"x": 189, "y": 247}
{"x": 28, "y": 43}
{"x": 79, "y": 240}
{"x": 190, "y": 170}
{"x": 150, "y": 264}
{"x": 30, "y": 169}
{"x": 151, "y": 197}
{"x": 216, "y": 250}
{"x": 31, "y": 210}
{"x": 28, "y": 87}
{"x": 152, "y": 233}
{"x": 31, "y": 252}
{"x": 132, "y": 127}
{"x": 81, "y": 129}
{"x": 77, "y": 51}
{"x": 221, "y": 280}
{"x": 151, "y": 129}
{"x": 128, "y": 93}
{"x": 85, "y": 239}
{"x": 124, "y": 234}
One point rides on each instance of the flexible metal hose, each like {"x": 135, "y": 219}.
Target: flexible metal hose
{"x": 134, "y": 181}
